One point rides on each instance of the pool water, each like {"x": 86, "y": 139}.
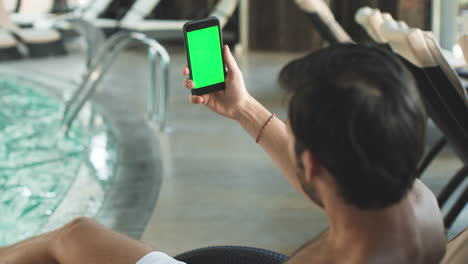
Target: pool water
{"x": 38, "y": 164}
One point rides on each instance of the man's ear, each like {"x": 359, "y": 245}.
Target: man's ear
{"x": 311, "y": 167}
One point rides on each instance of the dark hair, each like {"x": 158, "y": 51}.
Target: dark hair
{"x": 358, "y": 110}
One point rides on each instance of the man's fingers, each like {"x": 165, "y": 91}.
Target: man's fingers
{"x": 195, "y": 99}
{"x": 186, "y": 70}
{"x": 231, "y": 63}
{"x": 189, "y": 84}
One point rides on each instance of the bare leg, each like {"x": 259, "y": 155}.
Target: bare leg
{"x": 81, "y": 241}
{"x": 34, "y": 249}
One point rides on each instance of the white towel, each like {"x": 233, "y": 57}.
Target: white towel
{"x": 158, "y": 258}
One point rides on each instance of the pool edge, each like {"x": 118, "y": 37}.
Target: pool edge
{"x": 133, "y": 192}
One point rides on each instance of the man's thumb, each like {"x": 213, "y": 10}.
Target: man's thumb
{"x": 231, "y": 63}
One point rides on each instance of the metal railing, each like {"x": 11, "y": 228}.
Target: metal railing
{"x": 102, "y": 62}
{"x": 94, "y": 36}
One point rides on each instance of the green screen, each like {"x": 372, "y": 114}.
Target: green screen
{"x": 206, "y": 61}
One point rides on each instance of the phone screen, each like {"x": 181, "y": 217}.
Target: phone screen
{"x": 206, "y": 61}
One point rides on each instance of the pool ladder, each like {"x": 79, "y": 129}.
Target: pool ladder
{"x": 101, "y": 63}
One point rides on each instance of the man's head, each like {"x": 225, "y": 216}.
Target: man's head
{"x": 355, "y": 111}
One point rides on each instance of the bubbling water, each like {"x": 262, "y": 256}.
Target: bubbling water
{"x": 37, "y": 162}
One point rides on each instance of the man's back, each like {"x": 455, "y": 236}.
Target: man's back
{"x": 414, "y": 236}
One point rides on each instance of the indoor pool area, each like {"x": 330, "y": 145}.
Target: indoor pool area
{"x": 113, "y": 149}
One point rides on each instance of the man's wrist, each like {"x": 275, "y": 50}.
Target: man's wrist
{"x": 252, "y": 116}
{"x": 245, "y": 110}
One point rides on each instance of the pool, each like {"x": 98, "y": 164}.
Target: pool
{"x": 38, "y": 164}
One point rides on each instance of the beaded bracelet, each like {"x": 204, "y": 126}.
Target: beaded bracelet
{"x": 263, "y": 128}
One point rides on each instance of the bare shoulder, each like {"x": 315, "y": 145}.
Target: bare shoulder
{"x": 425, "y": 204}
{"x": 313, "y": 251}
{"x": 429, "y": 222}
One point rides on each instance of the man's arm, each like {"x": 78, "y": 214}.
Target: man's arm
{"x": 82, "y": 241}
{"x": 275, "y": 139}
{"x": 236, "y": 103}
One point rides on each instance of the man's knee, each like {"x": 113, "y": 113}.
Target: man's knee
{"x": 81, "y": 222}
{"x": 78, "y": 226}
{"x": 75, "y": 230}
{"x": 72, "y": 235}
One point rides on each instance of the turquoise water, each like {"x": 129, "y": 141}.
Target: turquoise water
{"x": 37, "y": 163}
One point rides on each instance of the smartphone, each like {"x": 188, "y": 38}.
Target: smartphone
{"x": 203, "y": 46}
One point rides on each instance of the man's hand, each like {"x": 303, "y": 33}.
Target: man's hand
{"x": 232, "y": 99}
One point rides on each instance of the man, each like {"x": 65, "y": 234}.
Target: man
{"x": 352, "y": 145}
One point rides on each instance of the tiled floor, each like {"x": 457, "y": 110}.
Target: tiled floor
{"x": 218, "y": 186}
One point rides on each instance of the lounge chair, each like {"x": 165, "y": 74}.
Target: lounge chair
{"x": 135, "y": 14}
{"x": 457, "y": 249}
{"x": 39, "y": 42}
{"x": 8, "y": 47}
{"x": 372, "y": 19}
{"x": 89, "y": 12}
{"x": 30, "y": 11}
{"x": 167, "y": 29}
{"x": 324, "y": 20}
{"x": 12, "y": 5}
{"x": 463, "y": 42}
{"x": 232, "y": 254}
{"x": 444, "y": 97}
